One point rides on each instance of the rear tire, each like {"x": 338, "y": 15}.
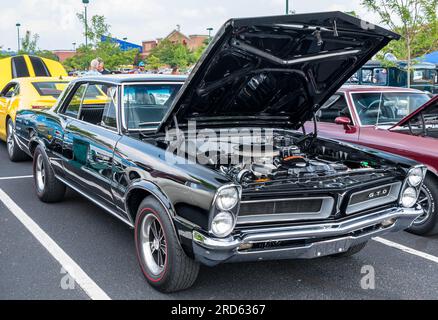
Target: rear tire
{"x": 351, "y": 251}
{"x": 163, "y": 262}
{"x": 48, "y": 188}
{"x": 14, "y": 151}
{"x": 427, "y": 224}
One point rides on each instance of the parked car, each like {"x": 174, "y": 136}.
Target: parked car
{"x": 248, "y": 194}
{"x": 396, "y": 120}
{"x": 424, "y": 75}
{"x": 21, "y": 94}
{"x": 25, "y": 66}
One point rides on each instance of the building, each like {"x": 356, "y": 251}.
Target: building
{"x": 64, "y": 54}
{"x": 192, "y": 42}
{"x": 123, "y": 45}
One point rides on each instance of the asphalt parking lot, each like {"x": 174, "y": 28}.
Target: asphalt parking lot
{"x": 405, "y": 266}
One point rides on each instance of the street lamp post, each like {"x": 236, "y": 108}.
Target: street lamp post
{"x": 18, "y": 25}
{"x": 209, "y": 32}
{"x": 86, "y": 2}
{"x": 74, "y": 46}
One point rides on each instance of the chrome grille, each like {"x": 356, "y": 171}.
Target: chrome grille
{"x": 289, "y": 209}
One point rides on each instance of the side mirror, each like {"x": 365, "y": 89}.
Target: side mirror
{"x": 346, "y": 122}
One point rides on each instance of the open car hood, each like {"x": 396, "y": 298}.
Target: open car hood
{"x": 423, "y": 109}
{"x": 274, "y": 71}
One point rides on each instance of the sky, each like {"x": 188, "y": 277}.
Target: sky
{"x": 56, "y": 23}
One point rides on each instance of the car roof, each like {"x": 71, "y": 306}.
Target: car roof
{"x": 128, "y": 78}
{"x": 41, "y": 79}
{"x": 357, "y": 88}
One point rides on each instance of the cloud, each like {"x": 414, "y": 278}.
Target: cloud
{"x": 56, "y": 22}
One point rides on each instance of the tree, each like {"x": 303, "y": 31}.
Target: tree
{"x": 172, "y": 54}
{"x": 108, "y": 51}
{"x": 96, "y": 29}
{"x": 29, "y": 43}
{"x": 153, "y": 62}
{"x": 415, "y": 20}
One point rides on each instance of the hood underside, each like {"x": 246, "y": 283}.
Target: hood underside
{"x": 275, "y": 70}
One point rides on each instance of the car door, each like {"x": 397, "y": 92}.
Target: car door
{"x": 90, "y": 138}
{"x": 7, "y": 96}
{"x": 332, "y": 120}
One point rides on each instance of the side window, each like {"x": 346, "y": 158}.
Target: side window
{"x": 72, "y": 109}
{"x": 109, "y": 113}
{"x": 335, "y": 107}
{"x": 99, "y": 106}
{"x": 9, "y": 91}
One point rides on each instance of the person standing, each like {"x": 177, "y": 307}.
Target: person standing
{"x": 140, "y": 69}
{"x": 101, "y": 69}
{"x": 93, "y": 70}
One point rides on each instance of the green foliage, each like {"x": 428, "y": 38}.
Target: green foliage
{"x": 109, "y": 52}
{"x": 173, "y": 54}
{"x": 415, "y": 20}
{"x": 153, "y": 62}
{"x": 29, "y": 43}
{"x": 96, "y": 28}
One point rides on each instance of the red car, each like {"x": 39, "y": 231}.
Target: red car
{"x": 396, "y": 120}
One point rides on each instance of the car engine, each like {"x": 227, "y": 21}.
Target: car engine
{"x": 280, "y": 158}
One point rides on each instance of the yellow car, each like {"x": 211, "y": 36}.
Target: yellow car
{"x": 25, "y": 66}
{"x": 22, "y": 94}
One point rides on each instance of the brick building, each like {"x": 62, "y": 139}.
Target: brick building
{"x": 192, "y": 42}
{"x": 64, "y": 54}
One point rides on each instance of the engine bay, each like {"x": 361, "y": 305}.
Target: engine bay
{"x": 261, "y": 160}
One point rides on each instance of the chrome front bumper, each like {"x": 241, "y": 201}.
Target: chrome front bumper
{"x": 313, "y": 240}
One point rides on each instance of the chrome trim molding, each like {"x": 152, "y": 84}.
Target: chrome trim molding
{"x": 213, "y": 251}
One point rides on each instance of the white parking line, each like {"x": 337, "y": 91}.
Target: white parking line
{"x": 15, "y": 177}
{"x": 74, "y": 270}
{"x": 407, "y": 249}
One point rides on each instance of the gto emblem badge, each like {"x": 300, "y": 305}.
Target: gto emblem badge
{"x": 377, "y": 194}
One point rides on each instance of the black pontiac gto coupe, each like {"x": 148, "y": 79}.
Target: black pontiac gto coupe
{"x": 214, "y": 168}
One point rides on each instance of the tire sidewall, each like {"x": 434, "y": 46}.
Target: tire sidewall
{"x": 12, "y": 153}
{"x": 144, "y": 211}
{"x": 39, "y": 152}
{"x": 428, "y": 225}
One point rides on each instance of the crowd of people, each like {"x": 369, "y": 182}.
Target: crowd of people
{"x": 97, "y": 67}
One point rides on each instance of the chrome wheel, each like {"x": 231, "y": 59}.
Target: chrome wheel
{"x": 425, "y": 202}
{"x": 10, "y": 138}
{"x": 153, "y": 244}
{"x": 40, "y": 173}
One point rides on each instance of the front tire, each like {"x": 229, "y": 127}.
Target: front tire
{"x": 163, "y": 262}
{"x": 427, "y": 223}
{"x": 48, "y": 188}
{"x": 14, "y": 151}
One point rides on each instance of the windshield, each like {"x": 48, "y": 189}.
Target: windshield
{"x": 53, "y": 89}
{"x": 146, "y": 104}
{"x": 380, "y": 109}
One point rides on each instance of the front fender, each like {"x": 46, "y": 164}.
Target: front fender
{"x": 154, "y": 191}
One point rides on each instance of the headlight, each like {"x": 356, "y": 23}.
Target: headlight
{"x": 222, "y": 224}
{"x": 227, "y": 198}
{"x": 409, "y": 197}
{"x": 415, "y": 177}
